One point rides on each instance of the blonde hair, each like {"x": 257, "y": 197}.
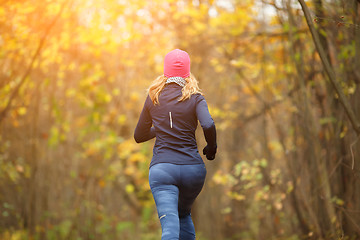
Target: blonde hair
{"x": 158, "y": 85}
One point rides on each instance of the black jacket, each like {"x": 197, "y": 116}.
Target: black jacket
{"x": 174, "y": 124}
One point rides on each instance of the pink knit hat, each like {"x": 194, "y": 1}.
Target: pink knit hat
{"x": 177, "y": 64}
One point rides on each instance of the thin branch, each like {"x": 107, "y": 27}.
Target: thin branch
{"x": 349, "y": 217}
{"x": 280, "y": 34}
{"x": 30, "y": 67}
{"x": 338, "y": 22}
{"x": 331, "y": 74}
{"x": 274, "y": 5}
{"x": 352, "y": 153}
{"x": 268, "y": 106}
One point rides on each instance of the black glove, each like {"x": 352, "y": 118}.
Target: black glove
{"x": 210, "y": 152}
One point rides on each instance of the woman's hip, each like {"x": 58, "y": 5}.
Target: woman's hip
{"x": 178, "y": 175}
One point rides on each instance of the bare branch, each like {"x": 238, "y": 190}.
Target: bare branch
{"x": 331, "y": 74}
{"x": 30, "y": 67}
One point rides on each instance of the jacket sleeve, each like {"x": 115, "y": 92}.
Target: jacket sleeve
{"x": 206, "y": 122}
{"x": 144, "y": 131}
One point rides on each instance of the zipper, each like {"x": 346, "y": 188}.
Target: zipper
{"x": 170, "y": 120}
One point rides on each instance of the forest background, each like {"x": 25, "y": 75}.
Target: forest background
{"x": 281, "y": 78}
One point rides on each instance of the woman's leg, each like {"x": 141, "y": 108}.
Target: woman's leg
{"x": 187, "y": 229}
{"x": 162, "y": 179}
{"x": 192, "y": 181}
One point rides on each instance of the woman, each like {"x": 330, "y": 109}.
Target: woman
{"x": 177, "y": 172}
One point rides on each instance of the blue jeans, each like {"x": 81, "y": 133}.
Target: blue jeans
{"x": 174, "y": 188}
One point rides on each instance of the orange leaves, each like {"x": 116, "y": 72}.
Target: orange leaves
{"x": 133, "y": 161}
{"x": 126, "y": 148}
{"x": 53, "y": 8}
{"x": 102, "y": 183}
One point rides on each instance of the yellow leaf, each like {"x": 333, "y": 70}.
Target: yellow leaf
{"x": 137, "y": 157}
{"x": 2, "y": 12}
{"x": 72, "y": 66}
{"x": 22, "y": 111}
{"x": 107, "y": 98}
{"x": 70, "y": 92}
{"x": 116, "y": 92}
{"x": 134, "y": 96}
{"x": 122, "y": 119}
{"x": 344, "y": 131}
{"x": 129, "y": 188}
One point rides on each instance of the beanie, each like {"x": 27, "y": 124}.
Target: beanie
{"x": 177, "y": 64}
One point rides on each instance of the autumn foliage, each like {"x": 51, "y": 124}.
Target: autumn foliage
{"x": 73, "y": 80}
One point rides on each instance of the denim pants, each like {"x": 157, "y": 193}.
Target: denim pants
{"x": 174, "y": 188}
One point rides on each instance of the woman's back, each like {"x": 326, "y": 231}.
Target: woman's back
{"x": 175, "y": 123}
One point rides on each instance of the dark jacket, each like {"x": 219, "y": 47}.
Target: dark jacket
{"x": 174, "y": 124}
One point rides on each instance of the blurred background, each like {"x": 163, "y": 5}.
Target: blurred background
{"x": 73, "y": 80}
